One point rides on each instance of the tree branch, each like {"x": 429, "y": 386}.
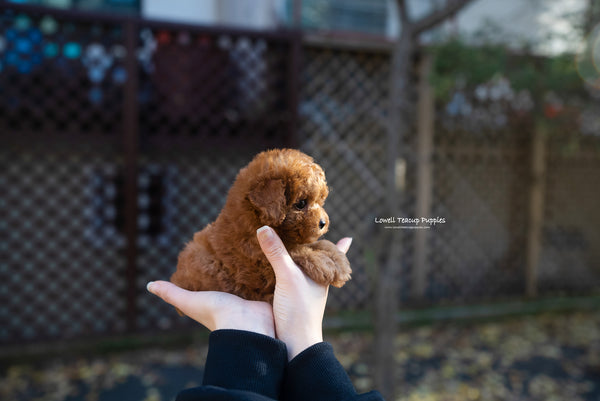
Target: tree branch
{"x": 591, "y": 16}
{"x": 402, "y": 12}
{"x": 438, "y": 16}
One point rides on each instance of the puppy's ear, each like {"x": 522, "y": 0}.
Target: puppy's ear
{"x": 268, "y": 197}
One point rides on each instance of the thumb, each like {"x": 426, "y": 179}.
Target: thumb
{"x": 275, "y": 251}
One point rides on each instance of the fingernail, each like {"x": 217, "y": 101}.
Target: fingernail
{"x": 264, "y": 232}
{"x": 149, "y": 286}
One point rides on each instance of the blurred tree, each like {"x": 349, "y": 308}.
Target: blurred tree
{"x": 401, "y": 106}
{"x": 592, "y": 16}
{"x": 554, "y": 85}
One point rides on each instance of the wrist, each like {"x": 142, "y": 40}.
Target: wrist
{"x": 256, "y": 317}
{"x": 296, "y": 345}
{"x": 254, "y": 328}
{"x": 256, "y": 325}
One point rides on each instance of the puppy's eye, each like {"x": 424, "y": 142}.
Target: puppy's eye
{"x": 301, "y": 204}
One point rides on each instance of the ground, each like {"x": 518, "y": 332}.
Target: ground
{"x": 543, "y": 357}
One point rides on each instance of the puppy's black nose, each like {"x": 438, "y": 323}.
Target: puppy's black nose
{"x": 322, "y": 224}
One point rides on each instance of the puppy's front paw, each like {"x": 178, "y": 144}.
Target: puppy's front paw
{"x": 323, "y": 262}
{"x": 341, "y": 271}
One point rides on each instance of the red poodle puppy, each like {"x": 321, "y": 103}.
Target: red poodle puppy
{"x": 284, "y": 189}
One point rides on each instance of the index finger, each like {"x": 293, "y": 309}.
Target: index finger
{"x": 344, "y": 244}
{"x": 170, "y": 293}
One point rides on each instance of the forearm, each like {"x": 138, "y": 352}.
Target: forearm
{"x": 315, "y": 374}
{"x": 246, "y": 361}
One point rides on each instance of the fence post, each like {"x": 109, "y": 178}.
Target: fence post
{"x": 536, "y": 207}
{"x": 424, "y": 170}
{"x": 131, "y": 154}
{"x": 293, "y": 79}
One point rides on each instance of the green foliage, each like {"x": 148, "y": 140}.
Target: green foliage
{"x": 457, "y": 64}
{"x": 525, "y": 77}
{"x": 562, "y": 75}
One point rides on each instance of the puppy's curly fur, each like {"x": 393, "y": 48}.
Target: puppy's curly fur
{"x": 284, "y": 189}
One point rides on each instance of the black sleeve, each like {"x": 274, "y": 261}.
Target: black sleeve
{"x": 315, "y": 374}
{"x": 240, "y": 365}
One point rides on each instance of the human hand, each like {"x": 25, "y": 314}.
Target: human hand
{"x": 217, "y": 310}
{"x": 299, "y": 302}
